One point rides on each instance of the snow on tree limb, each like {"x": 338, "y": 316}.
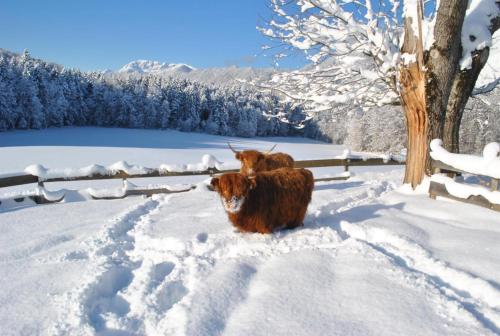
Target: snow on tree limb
{"x": 354, "y": 46}
{"x": 481, "y": 21}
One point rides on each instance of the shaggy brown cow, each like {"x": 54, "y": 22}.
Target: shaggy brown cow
{"x": 253, "y": 162}
{"x": 268, "y": 201}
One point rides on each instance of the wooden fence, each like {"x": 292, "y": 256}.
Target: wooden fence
{"x": 439, "y": 189}
{"x": 40, "y": 199}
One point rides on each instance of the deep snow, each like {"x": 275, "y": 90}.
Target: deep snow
{"x": 372, "y": 258}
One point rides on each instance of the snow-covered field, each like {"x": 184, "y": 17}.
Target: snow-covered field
{"x": 372, "y": 258}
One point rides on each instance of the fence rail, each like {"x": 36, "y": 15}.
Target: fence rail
{"x": 439, "y": 189}
{"x": 40, "y": 199}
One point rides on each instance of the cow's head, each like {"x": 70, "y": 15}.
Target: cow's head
{"x": 233, "y": 189}
{"x": 252, "y": 161}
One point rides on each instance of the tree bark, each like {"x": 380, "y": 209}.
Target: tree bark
{"x": 412, "y": 82}
{"x": 426, "y": 83}
{"x": 442, "y": 64}
{"x": 413, "y": 100}
{"x": 462, "y": 88}
{"x": 463, "y": 85}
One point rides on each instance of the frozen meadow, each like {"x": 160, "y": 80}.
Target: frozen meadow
{"x": 373, "y": 257}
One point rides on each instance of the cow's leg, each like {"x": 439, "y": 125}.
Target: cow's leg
{"x": 293, "y": 225}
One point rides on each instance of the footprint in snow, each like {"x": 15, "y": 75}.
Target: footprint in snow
{"x": 102, "y": 297}
{"x": 159, "y": 272}
{"x": 170, "y": 294}
{"x": 202, "y": 237}
{"x": 75, "y": 256}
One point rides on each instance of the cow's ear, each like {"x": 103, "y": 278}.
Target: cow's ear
{"x": 238, "y": 156}
{"x": 252, "y": 182}
{"x": 215, "y": 183}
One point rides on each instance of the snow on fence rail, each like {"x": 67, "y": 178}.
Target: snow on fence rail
{"x": 486, "y": 195}
{"x": 122, "y": 170}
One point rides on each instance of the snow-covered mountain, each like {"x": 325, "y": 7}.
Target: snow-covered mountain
{"x": 488, "y": 79}
{"x": 218, "y": 75}
{"x": 228, "y": 75}
{"x": 145, "y": 66}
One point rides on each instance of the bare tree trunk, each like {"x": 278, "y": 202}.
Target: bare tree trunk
{"x": 426, "y": 83}
{"x": 412, "y": 80}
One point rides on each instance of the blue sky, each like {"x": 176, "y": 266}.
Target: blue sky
{"x": 106, "y": 34}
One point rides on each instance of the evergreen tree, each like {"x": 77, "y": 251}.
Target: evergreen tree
{"x": 28, "y": 94}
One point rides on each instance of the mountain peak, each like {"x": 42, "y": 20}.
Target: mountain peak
{"x": 145, "y": 66}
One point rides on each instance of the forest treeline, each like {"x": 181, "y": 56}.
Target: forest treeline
{"x": 35, "y": 94}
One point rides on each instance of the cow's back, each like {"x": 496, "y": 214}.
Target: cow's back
{"x": 280, "y": 197}
{"x": 279, "y": 160}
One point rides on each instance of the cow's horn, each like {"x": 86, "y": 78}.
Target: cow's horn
{"x": 231, "y": 147}
{"x": 269, "y": 151}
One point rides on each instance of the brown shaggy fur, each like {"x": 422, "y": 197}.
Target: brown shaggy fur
{"x": 273, "y": 200}
{"x": 253, "y": 162}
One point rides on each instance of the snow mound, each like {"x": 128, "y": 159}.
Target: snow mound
{"x": 386, "y": 157}
{"x": 487, "y": 165}
{"x": 491, "y": 150}
{"x": 464, "y": 191}
{"x": 91, "y": 170}
{"x": 210, "y": 161}
{"x": 207, "y": 161}
{"x": 46, "y": 173}
{"x": 127, "y": 168}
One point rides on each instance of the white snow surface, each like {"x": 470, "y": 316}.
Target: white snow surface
{"x": 463, "y": 190}
{"x": 371, "y": 259}
{"x": 487, "y": 165}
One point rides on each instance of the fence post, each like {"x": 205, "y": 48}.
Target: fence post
{"x": 346, "y": 165}
{"x": 494, "y": 184}
{"x": 435, "y": 170}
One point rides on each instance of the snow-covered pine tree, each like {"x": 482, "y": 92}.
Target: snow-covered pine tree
{"x": 218, "y": 119}
{"x": 8, "y": 105}
{"x": 28, "y": 95}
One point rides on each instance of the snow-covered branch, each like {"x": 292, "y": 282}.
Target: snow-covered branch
{"x": 354, "y": 46}
{"x": 481, "y": 21}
